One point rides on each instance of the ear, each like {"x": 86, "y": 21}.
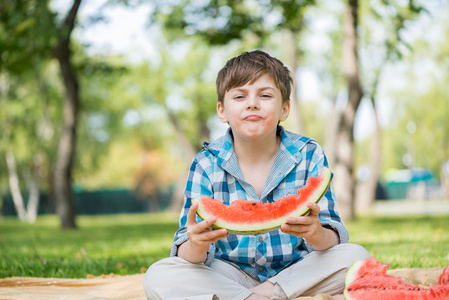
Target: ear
{"x": 285, "y": 111}
{"x": 221, "y": 112}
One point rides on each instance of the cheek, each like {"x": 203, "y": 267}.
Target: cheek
{"x": 276, "y": 115}
{"x": 233, "y": 112}
{"x": 273, "y": 120}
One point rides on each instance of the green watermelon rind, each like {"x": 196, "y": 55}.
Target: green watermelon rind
{"x": 351, "y": 275}
{"x": 260, "y": 228}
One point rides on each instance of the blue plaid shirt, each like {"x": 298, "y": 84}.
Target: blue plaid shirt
{"x": 215, "y": 172}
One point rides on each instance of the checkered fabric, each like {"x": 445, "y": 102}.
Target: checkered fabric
{"x": 215, "y": 173}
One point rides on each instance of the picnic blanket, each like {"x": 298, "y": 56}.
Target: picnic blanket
{"x": 130, "y": 287}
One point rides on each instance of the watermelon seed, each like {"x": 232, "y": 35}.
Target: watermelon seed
{"x": 254, "y": 203}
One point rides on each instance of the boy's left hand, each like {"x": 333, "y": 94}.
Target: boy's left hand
{"x": 309, "y": 228}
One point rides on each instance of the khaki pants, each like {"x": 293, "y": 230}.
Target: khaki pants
{"x": 319, "y": 272}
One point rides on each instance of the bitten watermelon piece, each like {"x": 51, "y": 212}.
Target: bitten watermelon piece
{"x": 444, "y": 278}
{"x": 250, "y": 217}
{"x": 368, "y": 280}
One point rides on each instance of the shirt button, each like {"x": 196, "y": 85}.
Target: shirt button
{"x": 260, "y": 238}
{"x": 260, "y": 268}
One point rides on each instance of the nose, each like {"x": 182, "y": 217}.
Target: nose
{"x": 252, "y": 103}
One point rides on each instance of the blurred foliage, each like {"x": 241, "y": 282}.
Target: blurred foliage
{"x": 417, "y": 88}
{"x": 32, "y": 24}
{"x": 134, "y": 114}
{"x": 183, "y": 86}
{"x": 422, "y": 126}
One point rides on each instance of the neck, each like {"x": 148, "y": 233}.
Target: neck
{"x": 256, "y": 151}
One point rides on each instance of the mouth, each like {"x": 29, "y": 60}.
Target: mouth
{"x": 253, "y": 118}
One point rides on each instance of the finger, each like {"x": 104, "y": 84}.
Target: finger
{"x": 191, "y": 219}
{"x": 205, "y": 224}
{"x": 314, "y": 209}
{"x": 292, "y": 229}
{"x": 208, "y": 237}
{"x": 214, "y": 235}
{"x": 286, "y": 228}
{"x": 296, "y": 220}
{"x": 191, "y": 216}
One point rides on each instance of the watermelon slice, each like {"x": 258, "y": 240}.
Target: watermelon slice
{"x": 368, "y": 280}
{"x": 251, "y": 218}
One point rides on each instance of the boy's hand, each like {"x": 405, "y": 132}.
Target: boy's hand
{"x": 309, "y": 228}
{"x": 200, "y": 235}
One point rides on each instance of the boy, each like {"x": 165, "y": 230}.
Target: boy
{"x": 256, "y": 160}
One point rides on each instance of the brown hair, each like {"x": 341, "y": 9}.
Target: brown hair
{"x": 250, "y": 66}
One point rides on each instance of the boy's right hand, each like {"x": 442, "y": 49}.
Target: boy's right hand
{"x": 200, "y": 235}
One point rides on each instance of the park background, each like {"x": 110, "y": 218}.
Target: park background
{"x": 104, "y": 103}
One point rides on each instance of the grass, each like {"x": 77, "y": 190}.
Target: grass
{"x": 128, "y": 244}
{"x": 406, "y": 241}
{"x": 120, "y": 244}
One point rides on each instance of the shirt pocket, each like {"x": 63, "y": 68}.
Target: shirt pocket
{"x": 284, "y": 192}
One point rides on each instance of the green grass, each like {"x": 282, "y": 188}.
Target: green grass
{"x": 128, "y": 244}
{"x": 120, "y": 244}
{"x": 404, "y": 242}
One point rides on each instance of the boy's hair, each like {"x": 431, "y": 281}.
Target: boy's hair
{"x": 250, "y": 66}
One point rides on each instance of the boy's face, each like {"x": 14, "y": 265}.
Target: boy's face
{"x": 254, "y": 110}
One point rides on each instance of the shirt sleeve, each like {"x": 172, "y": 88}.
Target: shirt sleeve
{"x": 328, "y": 215}
{"x": 198, "y": 184}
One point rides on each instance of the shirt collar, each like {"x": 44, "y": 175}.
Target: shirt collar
{"x": 286, "y": 159}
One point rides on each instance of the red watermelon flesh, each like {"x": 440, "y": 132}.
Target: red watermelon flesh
{"x": 365, "y": 267}
{"x": 444, "y": 278}
{"x": 368, "y": 280}
{"x": 251, "y": 217}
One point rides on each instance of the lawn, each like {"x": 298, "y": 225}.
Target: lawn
{"x": 120, "y": 244}
{"x": 129, "y": 243}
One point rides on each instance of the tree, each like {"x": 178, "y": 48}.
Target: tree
{"x": 38, "y": 35}
{"x": 24, "y": 55}
{"x": 67, "y": 144}
{"x": 391, "y": 18}
{"x": 420, "y": 128}
{"x": 23, "y": 128}
{"x": 344, "y": 163}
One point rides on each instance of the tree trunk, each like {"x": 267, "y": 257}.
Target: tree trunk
{"x": 28, "y": 213}
{"x": 33, "y": 179}
{"x": 15, "y": 187}
{"x": 67, "y": 144}
{"x": 33, "y": 198}
{"x": 344, "y": 156}
{"x": 331, "y": 133}
{"x": 292, "y": 61}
